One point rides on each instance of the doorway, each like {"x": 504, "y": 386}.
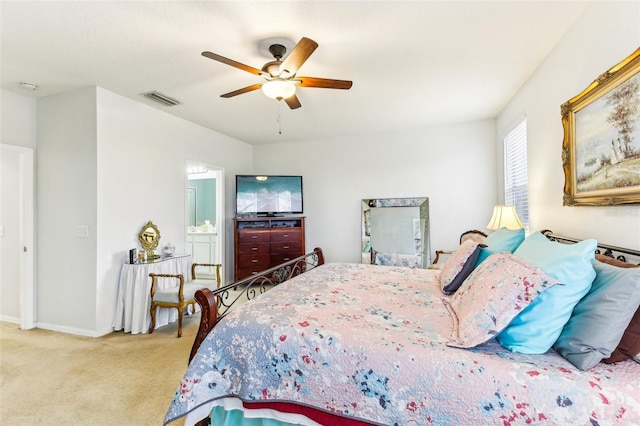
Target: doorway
{"x": 205, "y": 221}
{"x": 17, "y": 240}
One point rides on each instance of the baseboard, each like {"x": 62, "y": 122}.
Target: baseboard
{"x": 12, "y": 320}
{"x": 73, "y": 330}
{"x": 104, "y": 332}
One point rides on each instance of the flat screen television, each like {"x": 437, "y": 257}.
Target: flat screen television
{"x": 268, "y": 195}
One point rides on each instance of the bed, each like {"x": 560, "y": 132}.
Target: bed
{"x": 356, "y": 344}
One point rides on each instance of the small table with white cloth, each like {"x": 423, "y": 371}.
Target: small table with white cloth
{"x": 134, "y": 299}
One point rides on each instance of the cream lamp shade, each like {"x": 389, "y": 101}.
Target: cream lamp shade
{"x": 278, "y": 88}
{"x": 504, "y": 217}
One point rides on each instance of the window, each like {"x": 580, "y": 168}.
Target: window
{"x": 516, "y": 187}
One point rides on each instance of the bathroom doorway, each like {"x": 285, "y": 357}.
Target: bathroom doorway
{"x": 204, "y": 233}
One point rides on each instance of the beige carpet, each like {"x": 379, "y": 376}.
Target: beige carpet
{"x": 49, "y": 378}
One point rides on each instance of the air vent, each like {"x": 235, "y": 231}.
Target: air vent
{"x": 161, "y": 99}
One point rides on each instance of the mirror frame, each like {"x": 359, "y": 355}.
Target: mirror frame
{"x": 149, "y": 246}
{"x": 422, "y": 203}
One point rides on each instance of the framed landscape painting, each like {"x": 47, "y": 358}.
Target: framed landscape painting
{"x": 601, "y": 146}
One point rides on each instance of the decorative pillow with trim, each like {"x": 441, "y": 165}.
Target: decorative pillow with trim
{"x": 501, "y": 241}
{"x": 537, "y": 328}
{"x": 495, "y": 293}
{"x": 459, "y": 265}
{"x": 600, "y": 319}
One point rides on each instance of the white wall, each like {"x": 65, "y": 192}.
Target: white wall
{"x": 141, "y": 176}
{"x": 18, "y": 119}
{"x": 110, "y": 163}
{"x": 66, "y": 159}
{"x": 603, "y": 35}
{"x": 452, "y": 165}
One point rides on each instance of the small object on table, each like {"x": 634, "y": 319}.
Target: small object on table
{"x": 169, "y": 249}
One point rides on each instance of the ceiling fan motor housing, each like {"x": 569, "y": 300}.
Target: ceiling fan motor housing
{"x": 272, "y": 68}
{"x": 278, "y": 51}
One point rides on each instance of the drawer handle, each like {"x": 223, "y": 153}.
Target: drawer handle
{"x": 286, "y": 258}
{"x": 285, "y": 247}
{"x": 285, "y": 235}
{"x": 254, "y": 260}
{"x": 254, "y": 248}
{"x": 254, "y": 236}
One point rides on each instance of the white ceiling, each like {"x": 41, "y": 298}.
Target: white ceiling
{"x": 413, "y": 63}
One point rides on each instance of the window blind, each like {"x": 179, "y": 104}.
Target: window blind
{"x": 516, "y": 186}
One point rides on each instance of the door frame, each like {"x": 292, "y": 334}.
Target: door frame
{"x": 26, "y": 226}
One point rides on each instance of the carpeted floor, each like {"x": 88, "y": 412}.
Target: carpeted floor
{"x": 50, "y": 378}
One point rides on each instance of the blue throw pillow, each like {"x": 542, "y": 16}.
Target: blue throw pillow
{"x": 537, "y": 327}
{"x": 501, "y": 241}
{"x": 600, "y": 319}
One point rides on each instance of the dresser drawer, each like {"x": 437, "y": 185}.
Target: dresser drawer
{"x": 256, "y": 236}
{"x": 246, "y": 272}
{"x": 291, "y": 234}
{"x": 277, "y": 259}
{"x": 262, "y": 261}
{"x": 253, "y": 248}
{"x": 286, "y": 247}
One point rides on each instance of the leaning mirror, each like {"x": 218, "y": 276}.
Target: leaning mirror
{"x": 149, "y": 237}
{"x": 395, "y": 231}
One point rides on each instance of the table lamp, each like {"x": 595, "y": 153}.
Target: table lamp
{"x": 504, "y": 217}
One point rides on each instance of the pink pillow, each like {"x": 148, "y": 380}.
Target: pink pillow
{"x": 495, "y": 293}
{"x": 458, "y": 266}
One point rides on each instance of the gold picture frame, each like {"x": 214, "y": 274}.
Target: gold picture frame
{"x": 601, "y": 146}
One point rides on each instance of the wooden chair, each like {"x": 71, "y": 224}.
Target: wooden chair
{"x": 181, "y": 295}
{"x": 205, "y": 281}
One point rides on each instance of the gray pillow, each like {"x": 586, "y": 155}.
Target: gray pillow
{"x": 599, "y": 320}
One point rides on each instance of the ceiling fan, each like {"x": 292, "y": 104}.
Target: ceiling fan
{"x": 280, "y": 76}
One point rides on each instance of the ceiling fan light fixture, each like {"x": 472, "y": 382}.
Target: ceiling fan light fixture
{"x": 279, "y": 89}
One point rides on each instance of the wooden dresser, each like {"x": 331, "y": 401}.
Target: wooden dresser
{"x": 263, "y": 242}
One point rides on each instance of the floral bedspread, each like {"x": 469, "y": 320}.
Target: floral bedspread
{"x": 370, "y": 342}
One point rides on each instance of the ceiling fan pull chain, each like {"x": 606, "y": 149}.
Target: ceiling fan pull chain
{"x": 279, "y": 120}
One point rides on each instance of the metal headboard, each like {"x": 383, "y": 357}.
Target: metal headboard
{"x": 620, "y": 253}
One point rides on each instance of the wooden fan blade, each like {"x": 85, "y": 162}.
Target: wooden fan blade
{"x": 241, "y": 91}
{"x": 298, "y": 56}
{"x": 325, "y": 83}
{"x": 293, "y": 102}
{"x": 233, "y": 63}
